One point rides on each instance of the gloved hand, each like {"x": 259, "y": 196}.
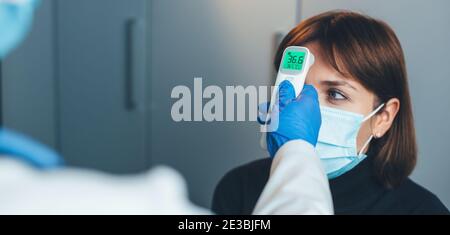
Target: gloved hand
{"x": 292, "y": 118}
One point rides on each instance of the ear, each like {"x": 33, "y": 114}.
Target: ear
{"x": 382, "y": 122}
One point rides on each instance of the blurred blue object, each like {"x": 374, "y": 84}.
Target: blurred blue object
{"x": 23, "y": 148}
{"x": 16, "y": 17}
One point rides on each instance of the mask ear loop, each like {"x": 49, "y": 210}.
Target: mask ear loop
{"x": 373, "y": 113}
{"x": 371, "y": 136}
{"x": 365, "y": 145}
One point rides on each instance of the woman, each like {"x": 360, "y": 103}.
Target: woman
{"x": 367, "y": 142}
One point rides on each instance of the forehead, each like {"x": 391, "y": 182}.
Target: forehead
{"x": 323, "y": 71}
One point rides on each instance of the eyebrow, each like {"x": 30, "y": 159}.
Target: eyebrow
{"x": 337, "y": 83}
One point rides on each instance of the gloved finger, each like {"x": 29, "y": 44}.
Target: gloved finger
{"x": 310, "y": 98}
{"x": 263, "y": 109}
{"x": 262, "y": 119}
{"x": 286, "y": 94}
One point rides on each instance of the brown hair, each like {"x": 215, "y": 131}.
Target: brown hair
{"x": 367, "y": 50}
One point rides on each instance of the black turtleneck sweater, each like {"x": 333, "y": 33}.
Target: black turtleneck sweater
{"x": 356, "y": 192}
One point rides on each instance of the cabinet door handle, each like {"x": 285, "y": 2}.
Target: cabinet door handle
{"x": 135, "y": 65}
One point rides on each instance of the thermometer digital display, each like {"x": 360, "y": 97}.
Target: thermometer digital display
{"x": 294, "y": 60}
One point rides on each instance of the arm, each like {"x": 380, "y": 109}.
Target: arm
{"x": 28, "y": 191}
{"x": 297, "y": 183}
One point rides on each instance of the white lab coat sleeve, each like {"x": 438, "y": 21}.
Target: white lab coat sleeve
{"x": 27, "y": 191}
{"x": 297, "y": 183}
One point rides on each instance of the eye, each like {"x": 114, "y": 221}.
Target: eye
{"x": 336, "y": 95}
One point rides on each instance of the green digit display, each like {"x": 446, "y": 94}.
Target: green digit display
{"x": 294, "y": 60}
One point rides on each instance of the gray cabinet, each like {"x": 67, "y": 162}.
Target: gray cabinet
{"x": 101, "y": 83}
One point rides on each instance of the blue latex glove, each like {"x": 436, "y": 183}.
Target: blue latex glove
{"x": 18, "y": 146}
{"x": 298, "y": 118}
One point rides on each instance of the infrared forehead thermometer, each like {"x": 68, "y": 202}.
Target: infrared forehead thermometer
{"x": 294, "y": 67}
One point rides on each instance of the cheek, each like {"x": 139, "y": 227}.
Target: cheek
{"x": 363, "y": 135}
{"x": 360, "y": 102}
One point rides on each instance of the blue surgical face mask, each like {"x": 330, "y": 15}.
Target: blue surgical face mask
{"x": 336, "y": 145}
{"x": 15, "y": 20}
